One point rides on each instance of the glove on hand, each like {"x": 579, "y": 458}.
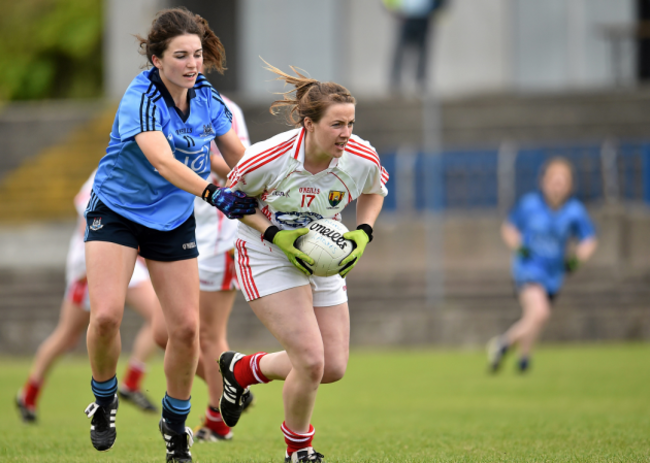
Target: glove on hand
{"x": 571, "y": 264}
{"x": 524, "y": 252}
{"x": 285, "y": 239}
{"x": 360, "y": 238}
{"x": 234, "y": 204}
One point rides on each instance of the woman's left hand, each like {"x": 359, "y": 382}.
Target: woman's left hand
{"x": 234, "y": 204}
{"x": 361, "y": 239}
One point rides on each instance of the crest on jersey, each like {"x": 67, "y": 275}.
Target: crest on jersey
{"x": 335, "y": 197}
{"x": 97, "y": 224}
{"x": 207, "y": 131}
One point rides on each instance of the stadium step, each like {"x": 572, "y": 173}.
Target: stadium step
{"x": 42, "y": 188}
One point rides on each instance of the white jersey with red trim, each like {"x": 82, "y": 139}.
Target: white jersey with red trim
{"x": 75, "y": 268}
{"x": 290, "y": 196}
{"x": 215, "y": 233}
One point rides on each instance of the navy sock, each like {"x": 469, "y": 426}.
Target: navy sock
{"x": 524, "y": 363}
{"x": 104, "y": 391}
{"x": 175, "y": 412}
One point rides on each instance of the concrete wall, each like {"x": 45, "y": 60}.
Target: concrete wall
{"x": 122, "y": 62}
{"x": 476, "y": 46}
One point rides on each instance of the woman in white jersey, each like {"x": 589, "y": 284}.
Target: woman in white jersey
{"x": 73, "y": 321}
{"x": 304, "y": 174}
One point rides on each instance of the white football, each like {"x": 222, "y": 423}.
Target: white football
{"x": 325, "y": 244}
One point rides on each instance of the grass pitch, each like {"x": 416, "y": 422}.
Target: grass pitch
{"x": 578, "y": 404}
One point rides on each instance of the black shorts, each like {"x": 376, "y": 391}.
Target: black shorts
{"x": 103, "y": 224}
{"x": 551, "y": 296}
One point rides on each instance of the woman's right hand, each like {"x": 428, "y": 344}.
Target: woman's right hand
{"x": 285, "y": 239}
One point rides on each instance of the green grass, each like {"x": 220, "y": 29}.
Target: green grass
{"x": 579, "y": 404}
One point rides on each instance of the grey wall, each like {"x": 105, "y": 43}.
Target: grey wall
{"x": 124, "y": 19}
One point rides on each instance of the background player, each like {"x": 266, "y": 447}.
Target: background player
{"x": 538, "y": 231}
{"x": 142, "y": 202}
{"x": 73, "y": 321}
{"x": 296, "y": 175}
{"x": 215, "y": 239}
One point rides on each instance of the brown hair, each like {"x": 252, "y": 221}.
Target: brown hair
{"x": 310, "y": 98}
{"x": 173, "y": 22}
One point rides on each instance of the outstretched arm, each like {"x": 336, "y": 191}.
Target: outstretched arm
{"x": 586, "y": 248}
{"x": 156, "y": 149}
{"x": 511, "y": 236}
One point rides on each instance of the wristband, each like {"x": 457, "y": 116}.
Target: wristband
{"x": 208, "y": 192}
{"x": 366, "y": 228}
{"x": 270, "y": 233}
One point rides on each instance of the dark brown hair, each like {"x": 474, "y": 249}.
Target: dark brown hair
{"x": 173, "y": 22}
{"x": 310, "y": 98}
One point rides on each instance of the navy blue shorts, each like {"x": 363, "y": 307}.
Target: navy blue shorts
{"x": 103, "y": 224}
{"x": 518, "y": 286}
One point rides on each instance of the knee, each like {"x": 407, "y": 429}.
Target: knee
{"x": 334, "y": 372}
{"x": 185, "y": 333}
{"x": 311, "y": 364}
{"x": 210, "y": 343}
{"x": 160, "y": 336}
{"x": 106, "y": 323}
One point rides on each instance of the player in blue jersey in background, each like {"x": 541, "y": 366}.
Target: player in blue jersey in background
{"x": 538, "y": 231}
{"x": 142, "y": 202}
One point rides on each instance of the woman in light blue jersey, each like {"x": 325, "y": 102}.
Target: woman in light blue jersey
{"x": 538, "y": 231}
{"x": 156, "y": 163}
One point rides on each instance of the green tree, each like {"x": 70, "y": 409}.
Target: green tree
{"x": 50, "y": 49}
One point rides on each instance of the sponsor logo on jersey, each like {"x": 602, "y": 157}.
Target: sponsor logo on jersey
{"x": 309, "y": 190}
{"x": 97, "y": 224}
{"x": 207, "y": 131}
{"x": 277, "y": 193}
{"x": 335, "y": 197}
{"x": 191, "y": 245}
{"x": 296, "y": 219}
{"x": 184, "y": 130}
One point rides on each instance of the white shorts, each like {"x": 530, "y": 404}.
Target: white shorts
{"x": 217, "y": 273}
{"x": 77, "y": 291}
{"x": 264, "y": 270}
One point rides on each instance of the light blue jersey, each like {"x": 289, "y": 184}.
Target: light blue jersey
{"x": 126, "y": 182}
{"x": 545, "y": 232}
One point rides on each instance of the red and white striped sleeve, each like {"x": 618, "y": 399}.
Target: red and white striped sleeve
{"x": 373, "y": 176}
{"x": 262, "y": 164}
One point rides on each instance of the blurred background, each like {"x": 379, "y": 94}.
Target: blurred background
{"x": 463, "y": 108}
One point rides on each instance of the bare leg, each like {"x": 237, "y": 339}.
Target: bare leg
{"x": 109, "y": 269}
{"x": 143, "y": 300}
{"x": 72, "y": 323}
{"x": 536, "y": 312}
{"x": 177, "y": 286}
{"x": 289, "y": 316}
{"x": 334, "y": 326}
{"x": 215, "y": 308}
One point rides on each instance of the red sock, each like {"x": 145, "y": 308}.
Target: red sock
{"x": 247, "y": 370}
{"x": 133, "y": 375}
{"x": 296, "y": 441}
{"x": 214, "y": 421}
{"x": 31, "y": 390}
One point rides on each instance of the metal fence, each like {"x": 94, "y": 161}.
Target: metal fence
{"x": 494, "y": 178}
